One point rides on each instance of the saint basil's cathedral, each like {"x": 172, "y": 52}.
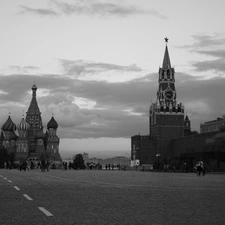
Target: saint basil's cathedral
{"x": 28, "y": 140}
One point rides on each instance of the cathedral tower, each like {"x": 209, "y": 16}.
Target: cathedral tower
{"x": 34, "y": 119}
{"x": 53, "y": 139}
{"x": 22, "y": 141}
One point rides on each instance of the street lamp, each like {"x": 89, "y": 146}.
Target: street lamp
{"x": 158, "y": 157}
{"x": 134, "y": 156}
{"x": 128, "y": 158}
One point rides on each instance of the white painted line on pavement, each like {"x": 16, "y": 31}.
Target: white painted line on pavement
{"x": 10, "y": 181}
{"x": 16, "y": 188}
{"x": 46, "y": 212}
{"x": 5, "y": 178}
{"x": 27, "y": 197}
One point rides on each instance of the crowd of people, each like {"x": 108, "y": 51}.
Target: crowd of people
{"x": 45, "y": 165}
{"x": 112, "y": 167}
{"x": 28, "y": 165}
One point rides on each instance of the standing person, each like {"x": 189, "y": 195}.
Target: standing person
{"x": 21, "y": 166}
{"x": 48, "y": 164}
{"x": 202, "y": 167}
{"x": 25, "y": 165}
{"x": 42, "y": 165}
{"x": 32, "y": 165}
{"x": 106, "y": 166}
{"x": 174, "y": 167}
{"x": 28, "y": 165}
{"x": 109, "y": 166}
{"x": 5, "y": 165}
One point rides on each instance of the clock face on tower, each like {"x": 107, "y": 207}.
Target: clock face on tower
{"x": 168, "y": 94}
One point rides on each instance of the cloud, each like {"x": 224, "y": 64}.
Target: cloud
{"x": 23, "y": 69}
{"x": 99, "y": 8}
{"x": 205, "y": 41}
{"x": 116, "y": 110}
{"x": 91, "y": 8}
{"x": 211, "y": 46}
{"x": 83, "y": 68}
{"x": 110, "y": 117}
{"x": 201, "y": 98}
{"x": 209, "y": 40}
{"x": 214, "y": 53}
{"x": 217, "y": 65}
{"x": 41, "y": 12}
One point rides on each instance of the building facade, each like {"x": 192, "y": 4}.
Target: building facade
{"x": 28, "y": 140}
{"x": 213, "y": 125}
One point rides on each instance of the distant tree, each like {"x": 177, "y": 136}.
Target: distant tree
{"x": 78, "y": 161}
{"x": 194, "y": 132}
{"x": 3, "y": 156}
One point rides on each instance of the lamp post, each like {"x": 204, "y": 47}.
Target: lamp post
{"x": 134, "y": 155}
{"x": 158, "y": 157}
{"x": 128, "y": 158}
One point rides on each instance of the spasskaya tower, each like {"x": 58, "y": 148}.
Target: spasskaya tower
{"x": 166, "y": 116}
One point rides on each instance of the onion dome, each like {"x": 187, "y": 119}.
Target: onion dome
{"x": 2, "y": 137}
{"x": 34, "y": 87}
{"x": 40, "y": 135}
{"x": 23, "y": 125}
{"x": 9, "y": 125}
{"x": 52, "y": 124}
{"x": 13, "y": 136}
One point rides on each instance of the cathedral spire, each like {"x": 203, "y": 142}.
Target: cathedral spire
{"x": 33, "y": 108}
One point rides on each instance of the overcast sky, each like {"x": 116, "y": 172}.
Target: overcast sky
{"x": 95, "y": 64}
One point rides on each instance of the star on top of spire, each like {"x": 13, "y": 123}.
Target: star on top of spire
{"x": 166, "y": 39}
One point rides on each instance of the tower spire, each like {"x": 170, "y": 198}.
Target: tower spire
{"x": 33, "y": 108}
{"x": 166, "y": 60}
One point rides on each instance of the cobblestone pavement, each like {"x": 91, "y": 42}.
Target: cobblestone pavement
{"x": 110, "y": 197}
